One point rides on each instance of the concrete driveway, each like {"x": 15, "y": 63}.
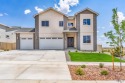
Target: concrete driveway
{"x": 37, "y": 65}
{"x": 31, "y": 55}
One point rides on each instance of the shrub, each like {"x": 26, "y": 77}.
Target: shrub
{"x": 76, "y": 51}
{"x": 102, "y": 51}
{"x": 83, "y": 66}
{"x": 79, "y": 71}
{"x": 69, "y": 51}
{"x": 104, "y": 72}
{"x": 7, "y": 50}
{"x": 101, "y": 65}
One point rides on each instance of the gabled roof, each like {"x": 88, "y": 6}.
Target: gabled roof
{"x": 88, "y": 10}
{"x": 26, "y": 30}
{"x": 4, "y": 25}
{"x": 51, "y": 9}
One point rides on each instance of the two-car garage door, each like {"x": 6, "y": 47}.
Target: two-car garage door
{"x": 51, "y": 43}
{"x": 46, "y": 43}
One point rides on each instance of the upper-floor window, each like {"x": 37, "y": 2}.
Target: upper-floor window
{"x": 70, "y": 24}
{"x": 61, "y": 23}
{"x": 86, "y": 22}
{"x": 45, "y": 23}
{"x": 87, "y": 39}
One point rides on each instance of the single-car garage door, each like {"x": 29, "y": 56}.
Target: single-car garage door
{"x": 51, "y": 43}
{"x": 26, "y": 43}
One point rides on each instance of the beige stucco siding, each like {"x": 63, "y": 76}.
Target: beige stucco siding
{"x": 71, "y": 21}
{"x": 53, "y": 18}
{"x": 26, "y": 35}
{"x": 51, "y": 35}
{"x": 86, "y": 30}
{"x": 86, "y": 46}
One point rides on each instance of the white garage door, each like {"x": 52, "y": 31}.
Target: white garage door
{"x": 26, "y": 43}
{"x": 51, "y": 43}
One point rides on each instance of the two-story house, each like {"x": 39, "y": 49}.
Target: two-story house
{"x": 55, "y": 30}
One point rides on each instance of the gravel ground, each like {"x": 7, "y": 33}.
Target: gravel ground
{"x": 93, "y": 73}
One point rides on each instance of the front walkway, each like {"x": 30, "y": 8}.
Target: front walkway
{"x": 34, "y": 65}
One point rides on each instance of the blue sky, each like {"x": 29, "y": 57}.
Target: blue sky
{"x": 20, "y": 12}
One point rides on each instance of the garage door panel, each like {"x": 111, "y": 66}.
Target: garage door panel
{"x": 51, "y": 43}
{"x": 26, "y": 43}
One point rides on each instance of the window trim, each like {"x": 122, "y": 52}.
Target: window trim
{"x": 45, "y": 24}
{"x": 86, "y": 20}
{"x": 86, "y": 39}
{"x": 62, "y": 22}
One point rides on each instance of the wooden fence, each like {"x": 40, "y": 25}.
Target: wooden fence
{"x": 7, "y": 46}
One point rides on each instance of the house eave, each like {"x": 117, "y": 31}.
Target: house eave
{"x": 25, "y": 32}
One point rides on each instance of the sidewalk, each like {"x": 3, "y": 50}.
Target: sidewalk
{"x": 94, "y": 63}
{"x": 52, "y": 81}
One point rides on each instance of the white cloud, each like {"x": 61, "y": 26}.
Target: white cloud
{"x": 121, "y": 16}
{"x": 38, "y": 9}
{"x": 27, "y": 11}
{"x": 64, "y": 5}
{"x": 1, "y": 14}
{"x": 5, "y": 14}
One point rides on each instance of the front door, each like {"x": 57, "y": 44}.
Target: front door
{"x": 70, "y": 41}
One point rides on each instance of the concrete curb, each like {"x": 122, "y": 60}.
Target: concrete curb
{"x": 56, "y": 81}
{"x": 94, "y": 63}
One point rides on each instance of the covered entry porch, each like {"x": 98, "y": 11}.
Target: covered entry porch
{"x": 70, "y": 39}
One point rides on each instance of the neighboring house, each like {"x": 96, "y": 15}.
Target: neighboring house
{"x": 4, "y": 35}
{"x": 55, "y": 30}
{"x": 8, "y": 34}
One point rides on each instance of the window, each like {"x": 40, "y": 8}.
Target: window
{"x": 86, "y": 39}
{"x": 61, "y": 23}
{"x": 48, "y": 37}
{"x": 70, "y": 24}
{"x": 7, "y": 36}
{"x": 86, "y": 22}
{"x": 29, "y": 38}
{"x": 42, "y": 38}
{"x": 45, "y": 23}
{"x": 60, "y": 38}
{"x": 54, "y": 38}
{"x": 23, "y": 38}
